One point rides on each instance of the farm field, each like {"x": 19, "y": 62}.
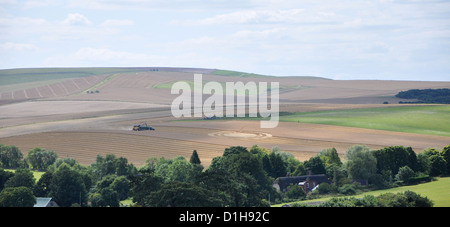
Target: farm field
{"x": 437, "y": 191}
{"x": 79, "y": 124}
{"x": 428, "y": 119}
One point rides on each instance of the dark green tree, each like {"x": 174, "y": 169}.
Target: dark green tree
{"x": 315, "y": 165}
{"x": 121, "y": 166}
{"x": 234, "y": 150}
{"x": 67, "y": 187}
{"x": 105, "y": 197}
{"x": 279, "y": 167}
{"x": 177, "y": 169}
{"x": 40, "y": 159}
{"x": 300, "y": 170}
{"x": 416, "y": 200}
{"x": 42, "y": 187}
{"x": 446, "y": 155}
{"x": 404, "y": 173}
{"x": 182, "y": 194}
{"x": 438, "y": 166}
{"x": 4, "y": 176}
{"x": 194, "y": 158}
{"x": 423, "y": 163}
{"x": 17, "y": 197}
{"x": 338, "y": 175}
{"x": 441, "y": 95}
{"x": 10, "y": 156}
{"x": 405, "y": 199}
{"x": 228, "y": 189}
{"x": 295, "y": 192}
{"x": 118, "y": 184}
{"x": 393, "y": 157}
{"x": 144, "y": 183}
{"x": 22, "y": 177}
{"x": 431, "y": 151}
{"x": 110, "y": 164}
{"x": 247, "y": 169}
{"x": 121, "y": 185}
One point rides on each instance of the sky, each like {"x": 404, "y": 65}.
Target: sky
{"x": 346, "y": 39}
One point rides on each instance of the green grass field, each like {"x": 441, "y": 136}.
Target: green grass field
{"x": 235, "y": 73}
{"x": 421, "y": 119}
{"x": 438, "y": 191}
{"x": 18, "y": 76}
{"x": 37, "y": 174}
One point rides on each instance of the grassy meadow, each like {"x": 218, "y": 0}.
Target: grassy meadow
{"x": 438, "y": 191}
{"x": 421, "y": 119}
{"x": 37, "y": 174}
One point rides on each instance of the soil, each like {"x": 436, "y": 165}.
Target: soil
{"x": 83, "y": 126}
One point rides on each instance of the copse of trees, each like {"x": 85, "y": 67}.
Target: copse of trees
{"x": 104, "y": 183}
{"x": 394, "y": 157}
{"x": 426, "y": 95}
{"x": 239, "y": 177}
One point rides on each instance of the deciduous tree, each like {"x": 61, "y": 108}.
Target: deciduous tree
{"x": 182, "y": 194}
{"x": 21, "y": 177}
{"x": 17, "y": 197}
{"x": 10, "y": 156}
{"x": 360, "y": 163}
{"x": 67, "y": 187}
{"x": 40, "y": 159}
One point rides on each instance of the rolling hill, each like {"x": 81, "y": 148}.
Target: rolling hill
{"x": 83, "y": 112}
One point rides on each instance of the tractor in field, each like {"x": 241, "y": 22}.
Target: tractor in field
{"x": 142, "y": 127}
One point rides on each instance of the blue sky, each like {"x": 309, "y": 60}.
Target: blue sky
{"x": 347, "y": 39}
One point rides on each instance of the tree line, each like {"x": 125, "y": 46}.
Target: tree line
{"x": 426, "y": 95}
{"x": 241, "y": 177}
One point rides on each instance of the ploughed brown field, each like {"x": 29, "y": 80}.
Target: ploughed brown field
{"x": 64, "y": 118}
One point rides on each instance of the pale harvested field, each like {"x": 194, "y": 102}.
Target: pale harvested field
{"x": 137, "y": 148}
{"x": 139, "y": 87}
{"x": 53, "y": 89}
{"x": 209, "y": 138}
{"x": 82, "y": 126}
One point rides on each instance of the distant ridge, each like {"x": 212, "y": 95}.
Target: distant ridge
{"x": 10, "y": 76}
{"x": 96, "y": 70}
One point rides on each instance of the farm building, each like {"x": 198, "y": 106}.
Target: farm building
{"x": 45, "y": 202}
{"x": 308, "y": 182}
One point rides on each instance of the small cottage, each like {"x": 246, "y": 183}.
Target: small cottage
{"x": 45, "y": 202}
{"x": 307, "y": 182}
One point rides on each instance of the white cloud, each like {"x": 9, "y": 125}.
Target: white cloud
{"x": 278, "y": 37}
{"x": 76, "y": 19}
{"x": 88, "y": 56}
{"x": 8, "y": 2}
{"x": 113, "y": 23}
{"x": 21, "y": 21}
{"x": 103, "y": 54}
{"x": 31, "y": 4}
{"x": 255, "y": 16}
{"x": 158, "y": 5}
{"x": 10, "y": 46}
